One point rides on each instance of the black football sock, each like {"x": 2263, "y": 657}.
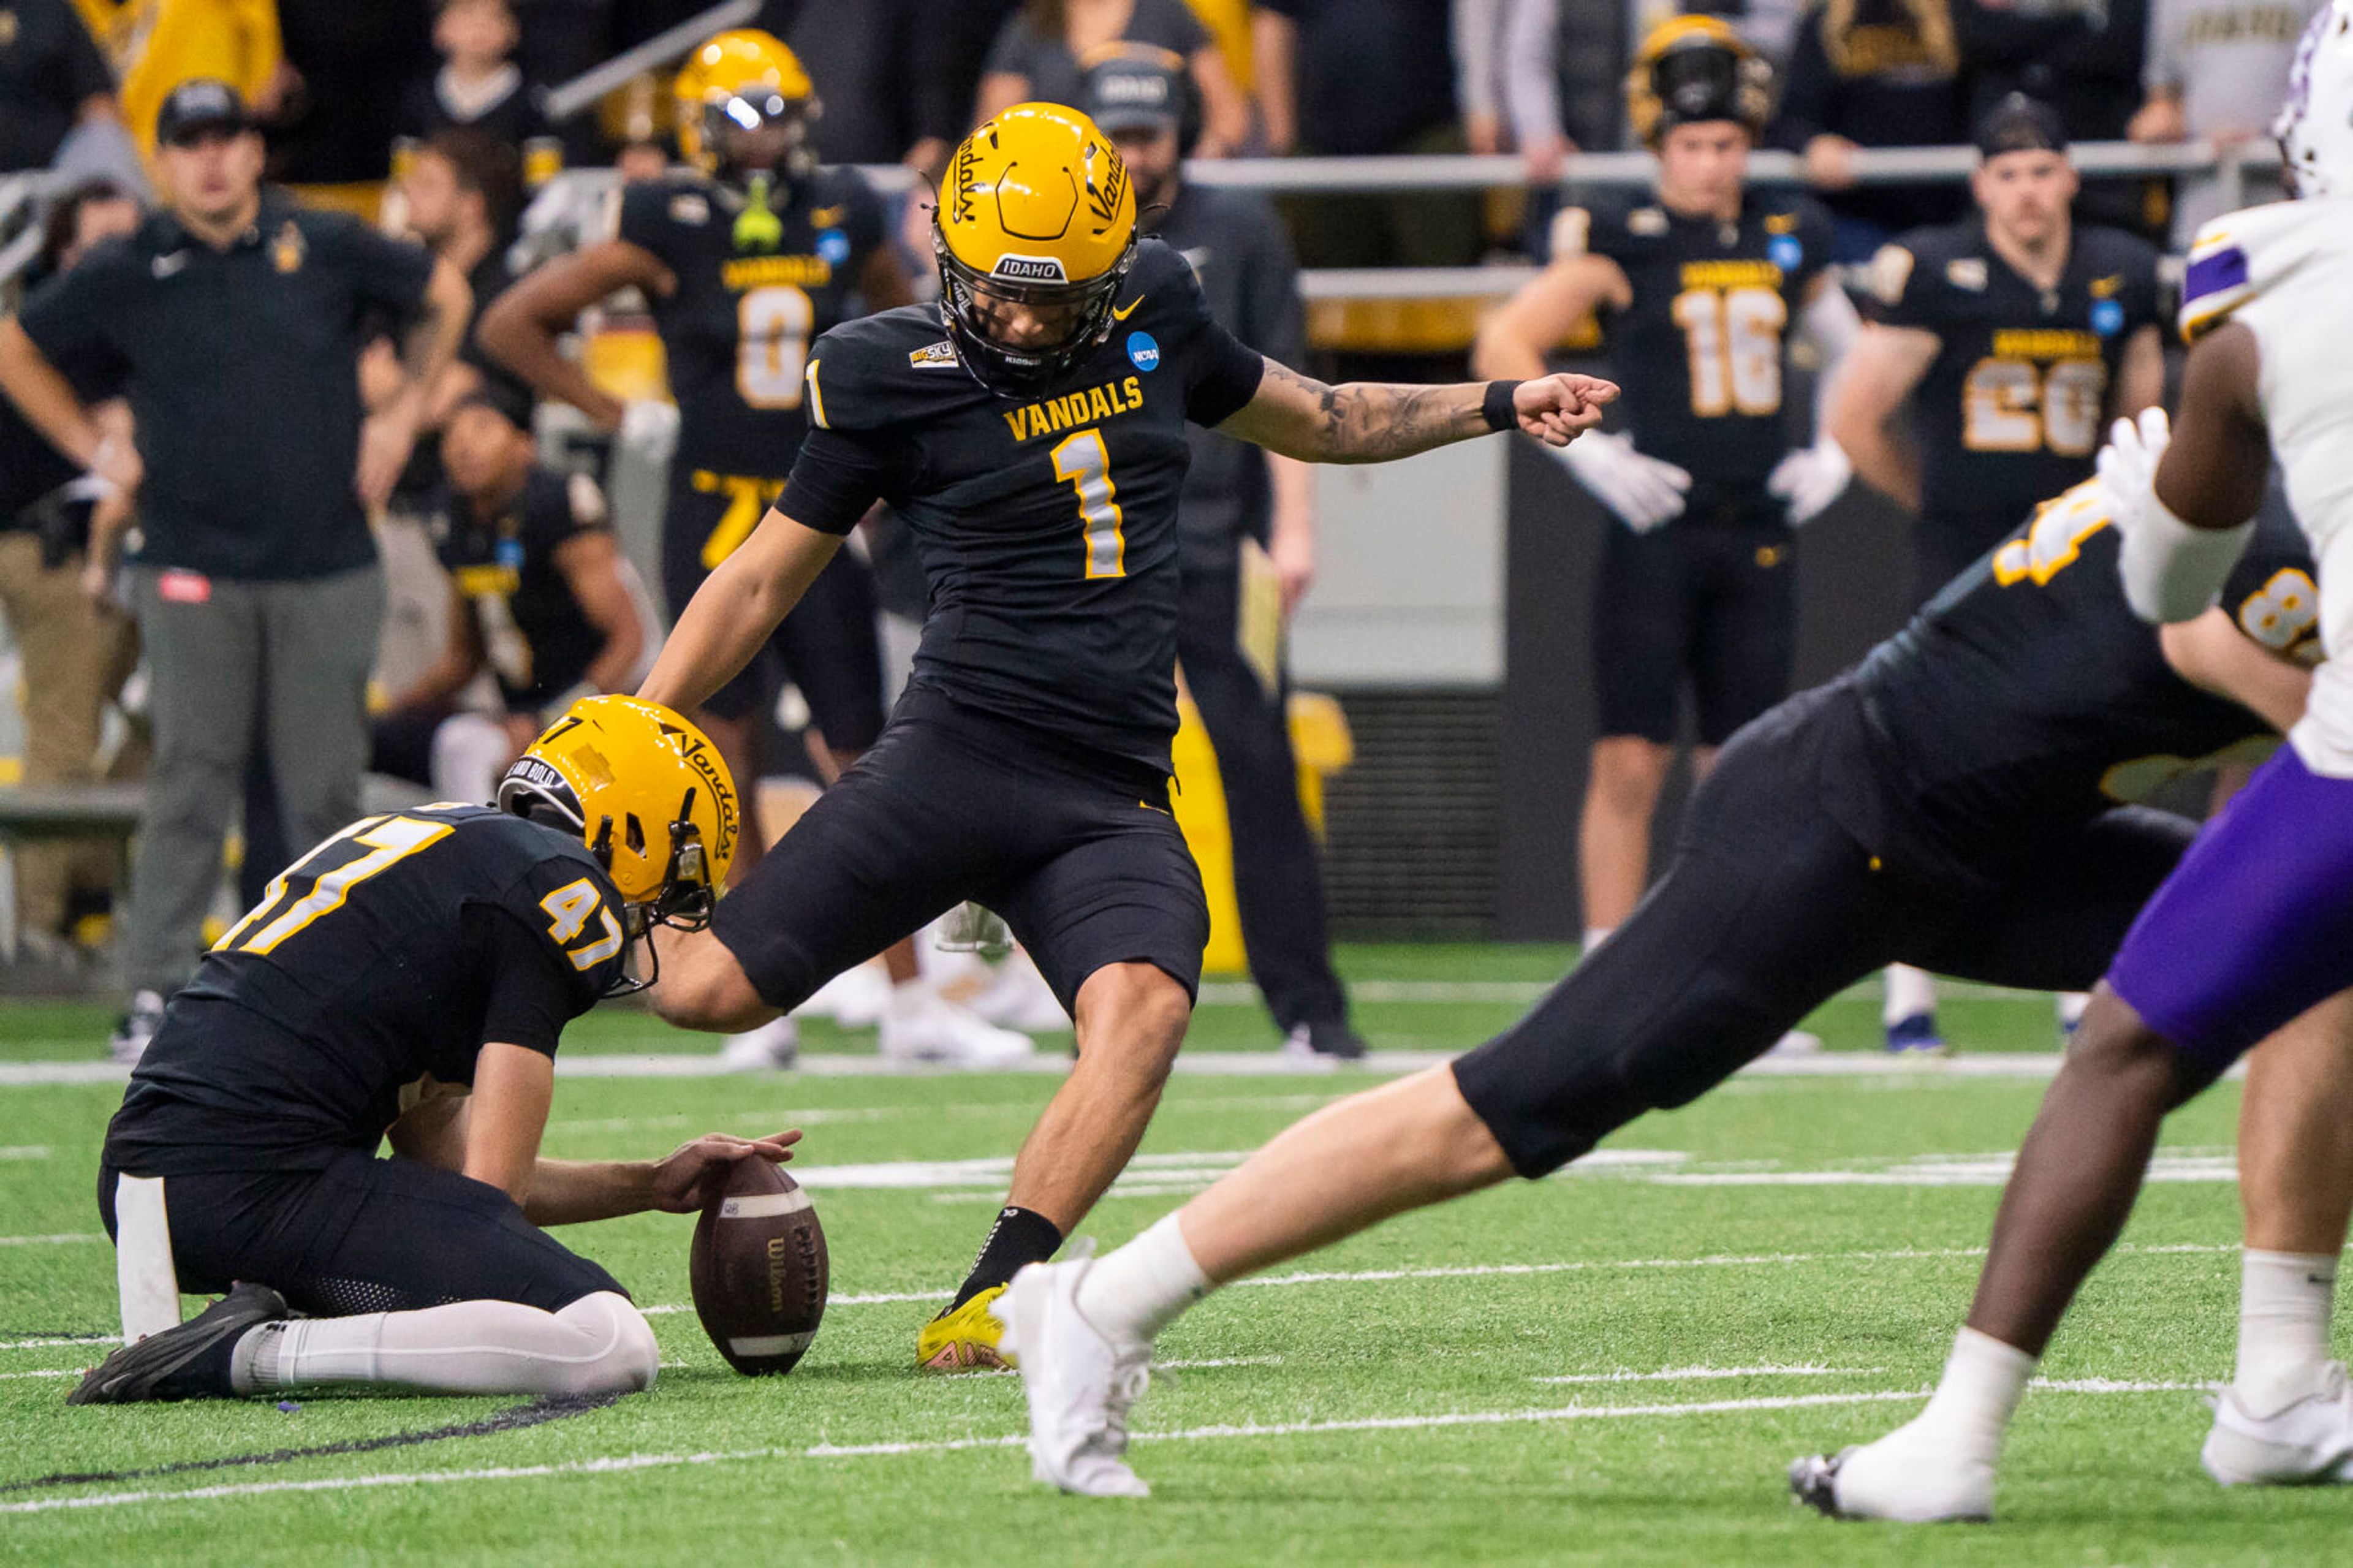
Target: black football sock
{"x": 1020, "y": 1237}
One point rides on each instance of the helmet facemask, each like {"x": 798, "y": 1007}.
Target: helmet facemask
{"x": 971, "y": 299}
{"x": 758, "y": 109}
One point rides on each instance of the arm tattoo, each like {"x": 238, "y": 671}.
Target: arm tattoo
{"x": 1371, "y": 422}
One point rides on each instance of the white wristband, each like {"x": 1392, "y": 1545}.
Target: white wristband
{"x": 2173, "y": 571}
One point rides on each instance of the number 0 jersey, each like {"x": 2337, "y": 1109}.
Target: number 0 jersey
{"x": 2015, "y": 403}
{"x": 2027, "y": 691}
{"x": 754, "y": 290}
{"x": 1046, "y": 524}
{"x": 2286, "y": 273}
{"x": 387, "y": 956}
{"x": 1699, "y": 350}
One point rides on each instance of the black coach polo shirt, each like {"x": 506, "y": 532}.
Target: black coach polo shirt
{"x": 242, "y": 368}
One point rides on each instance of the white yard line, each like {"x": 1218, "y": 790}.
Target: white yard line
{"x": 1442, "y": 1271}
{"x": 61, "y": 1239}
{"x": 1194, "y": 1064}
{"x": 1704, "y": 1374}
{"x": 629, "y": 1463}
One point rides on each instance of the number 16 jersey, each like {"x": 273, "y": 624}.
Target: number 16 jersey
{"x": 1699, "y": 349}
{"x": 1046, "y": 522}
{"x": 754, "y": 290}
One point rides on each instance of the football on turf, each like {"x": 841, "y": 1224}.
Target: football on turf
{"x": 758, "y": 1269}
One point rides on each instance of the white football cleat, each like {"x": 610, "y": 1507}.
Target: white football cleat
{"x": 922, "y": 1026}
{"x": 2305, "y": 1441}
{"x": 1907, "y": 1476}
{"x": 855, "y": 998}
{"x": 1020, "y": 998}
{"x": 776, "y": 1044}
{"x": 1797, "y": 1043}
{"x": 136, "y": 1028}
{"x": 1080, "y": 1384}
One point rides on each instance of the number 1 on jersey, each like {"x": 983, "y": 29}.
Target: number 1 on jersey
{"x": 1082, "y": 461}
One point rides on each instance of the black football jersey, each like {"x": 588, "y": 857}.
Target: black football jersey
{"x": 2015, "y": 403}
{"x": 1046, "y": 524}
{"x": 1699, "y": 350}
{"x": 755, "y": 290}
{"x": 538, "y": 641}
{"x": 388, "y": 955}
{"x": 2028, "y": 693}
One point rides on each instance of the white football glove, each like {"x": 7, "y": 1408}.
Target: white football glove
{"x": 1643, "y": 491}
{"x": 1810, "y": 478}
{"x": 2128, "y": 467}
{"x": 650, "y": 425}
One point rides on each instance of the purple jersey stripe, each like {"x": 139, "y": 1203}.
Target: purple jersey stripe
{"x": 2226, "y": 269}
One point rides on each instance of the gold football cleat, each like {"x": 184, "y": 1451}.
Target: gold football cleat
{"x": 966, "y": 1340}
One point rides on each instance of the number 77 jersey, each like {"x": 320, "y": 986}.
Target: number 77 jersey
{"x": 1046, "y": 522}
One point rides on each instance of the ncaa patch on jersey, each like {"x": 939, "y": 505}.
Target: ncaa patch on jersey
{"x": 833, "y": 246}
{"x": 2107, "y": 316}
{"x": 1785, "y": 251}
{"x": 1143, "y": 351}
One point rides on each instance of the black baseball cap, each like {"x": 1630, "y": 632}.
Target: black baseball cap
{"x": 508, "y": 401}
{"x": 200, "y": 103}
{"x": 2020, "y": 124}
{"x": 1134, "y": 89}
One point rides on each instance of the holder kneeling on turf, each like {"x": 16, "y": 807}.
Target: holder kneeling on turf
{"x": 407, "y": 980}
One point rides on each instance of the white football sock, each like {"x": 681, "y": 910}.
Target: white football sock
{"x": 2285, "y": 1299}
{"x": 598, "y": 1344}
{"x": 1909, "y": 991}
{"x": 1594, "y": 937}
{"x": 1984, "y": 1380}
{"x": 1137, "y": 1290}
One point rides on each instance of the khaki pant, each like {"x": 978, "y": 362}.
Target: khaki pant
{"x": 76, "y": 654}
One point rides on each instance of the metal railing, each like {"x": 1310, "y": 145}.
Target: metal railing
{"x": 575, "y": 198}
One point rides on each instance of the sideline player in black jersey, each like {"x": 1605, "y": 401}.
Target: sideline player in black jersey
{"x": 408, "y": 979}
{"x": 1695, "y": 286}
{"x": 1030, "y": 431}
{"x": 1956, "y": 801}
{"x": 538, "y": 591}
{"x": 746, "y": 262}
{"x": 2013, "y": 334}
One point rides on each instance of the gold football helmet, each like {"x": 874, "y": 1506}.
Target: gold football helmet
{"x": 649, "y": 794}
{"x": 1034, "y": 232}
{"x": 1696, "y": 69}
{"x": 745, "y": 82}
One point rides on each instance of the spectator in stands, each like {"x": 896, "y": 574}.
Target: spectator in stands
{"x": 538, "y": 594}
{"x": 1506, "y": 80}
{"x": 479, "y": 87}
{"x": 52, "y": 77}
{"x": 2216, "y": 68}
{"x": 1348, "y": 78}
{"x": 73, "y": 650}
{"x": 233, "y": 321}
{"x": 2083, "y": 58}
{"x": 894, "y": 87}
{"x": 1246, "y": 540}
{"x": 1873, "y": 73}
{"x": 1047, "y": 43}
{"x": 348, "y": 63}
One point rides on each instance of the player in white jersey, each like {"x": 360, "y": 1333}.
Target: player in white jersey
{"x": 2255, "y": 927}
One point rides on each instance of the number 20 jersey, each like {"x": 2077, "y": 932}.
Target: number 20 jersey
{"x": 1046, "y": 523}
{"x": 2285, "y": 272}
{"x": 751, "y": 297}
{"x": 389, "y": 955}
{"x": 1699, "y": 350}
{"x": 2014, "y": 405}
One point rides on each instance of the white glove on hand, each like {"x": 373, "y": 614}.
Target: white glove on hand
{"x": 2128, "y": 467}
{"x": 1810, "y": 478}
{"x": 1643, "y": 491}
{"x": 649, "y": 424}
